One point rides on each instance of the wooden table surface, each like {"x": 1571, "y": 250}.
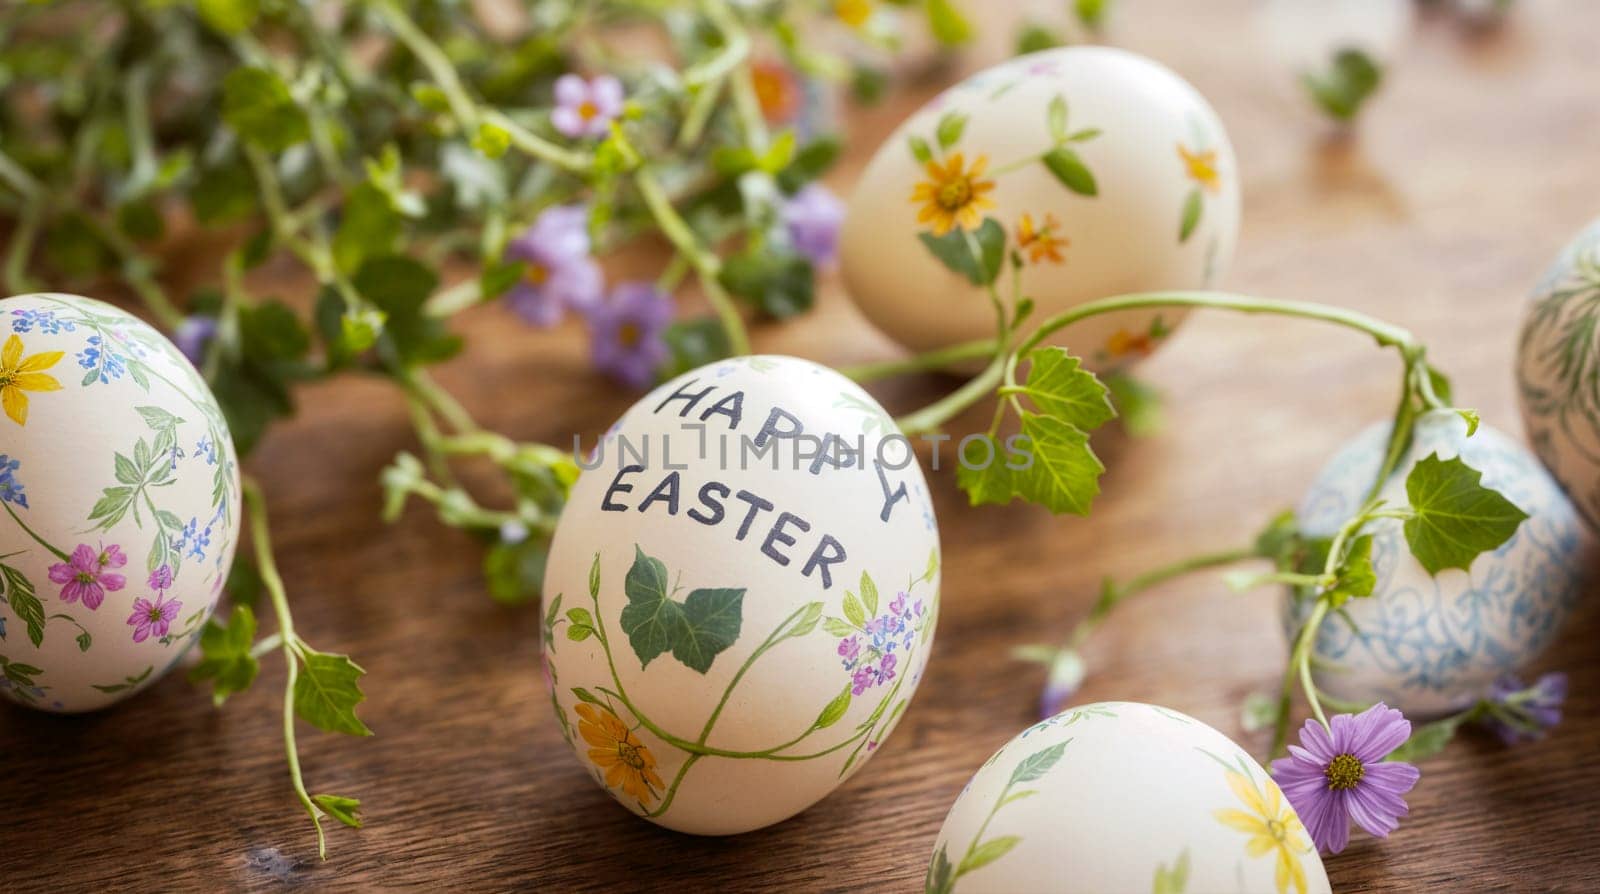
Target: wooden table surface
{"x": 1478, "y": 161}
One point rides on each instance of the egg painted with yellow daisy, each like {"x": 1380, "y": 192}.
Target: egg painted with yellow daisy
{"x": 119, "y": 494}
{"x": 1123, "y": 796}
{"x": 1100, "y": 171}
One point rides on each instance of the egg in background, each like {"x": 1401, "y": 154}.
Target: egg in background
{"x": 120, "y": 495}
{"x": 1122, "y": 796}
{"x": 1142, "y": 194}
{"x": 731, "y": 633}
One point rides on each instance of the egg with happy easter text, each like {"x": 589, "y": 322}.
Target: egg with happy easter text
{"x": 740, "y": 595}
{"x": 1122, "y": 796}
{"x": 120, "y": 492}
{"x": 1558, "y": 371}
{"x": 1429, "y": 645}
{"x": 1106, "y": 172}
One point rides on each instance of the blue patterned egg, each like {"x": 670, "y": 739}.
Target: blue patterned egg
{"x": 119, "y": 503}
{"x": 1558, "y": 371}
{"x": 1431, "y": 644}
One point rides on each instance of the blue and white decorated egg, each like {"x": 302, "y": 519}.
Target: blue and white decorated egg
{"x": 119, "y": 503}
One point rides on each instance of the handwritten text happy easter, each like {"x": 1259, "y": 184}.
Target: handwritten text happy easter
{"x": 813, "y": 454}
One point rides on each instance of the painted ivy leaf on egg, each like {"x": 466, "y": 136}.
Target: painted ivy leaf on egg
{"x": 1121, "y": 796}
{"x": 120, "y": 492}
{"x": 1558, "y": 371}
{"x": 740, "y": 595}
{"x": 1105, "y": 172}
{"x": 1429, "y": 644}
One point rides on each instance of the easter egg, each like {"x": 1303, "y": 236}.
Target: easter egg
{"x": 1431, "y": 644}
{"x": 120, "y": 492}
{"x": 1122, "y": 796}
{"x": 1103, "y": 172}
{"x": 740, "y": 594}
{"x": 1558, "y": 371}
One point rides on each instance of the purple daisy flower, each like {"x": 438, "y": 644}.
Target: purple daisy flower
{"x": 586, "y": 108}
{"x": 1521, "y": 713}
{"x": 812, "y": 219}
{"x": 153, "y": 618}
{"x": 193, "y": 336}
{"x": 559, "y": 274}
{"x": 1338, "y": 774}
{"x": 626, "y": 333}
{"x": 84, "y": 576}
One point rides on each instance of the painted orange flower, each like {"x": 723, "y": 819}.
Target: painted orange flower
{"x": 628, "y": 765}
{"x": 853, "y": 12}
{"x": 19, "y": 374}
{"x": 1041, "y": 243}
{"x": 1201, "y": 167}
{"x": 1124, "y": 343}
{"x": 953, "y": 195}
{"x": 777, "y": 91}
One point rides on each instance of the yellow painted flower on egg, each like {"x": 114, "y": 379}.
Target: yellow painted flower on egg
{"x": 627, "y": 764}
{"x": 854, "y": 13}
{"x": 953, "y": 195}
{"x": 1201, "y": 167}
{"x": 1041, "y": 242}
{"x": 20, "y": 374}
{"x": 1272, "y": 826}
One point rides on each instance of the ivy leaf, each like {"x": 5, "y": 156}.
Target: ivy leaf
{"x": 1454, "y": 517}
{"x": 1059, "y": 386}
{"x": 1071, "y": 171}
{"x": 948, "y": 132}
{"x": 327, "y": 691}
{"x": 227, "y": 661}
{"x": 1064, "y": 475}
{"x": 399, "y": 286}
{"x": 712, "y": 618}
{"x": 1355, "y": 576}
{"x": 1037, "y": 764}
{"x": 343, "y": 809}
{"x": 256, "y": 103}
{"x": 1192, "y": 208}
{"x": 695, "y": 631}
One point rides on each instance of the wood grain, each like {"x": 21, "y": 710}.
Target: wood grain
{"x": 1479, "y": 160}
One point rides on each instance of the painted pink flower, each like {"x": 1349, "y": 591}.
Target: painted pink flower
{"x": 586, "y": 108}
{"x": 84, "y": 576}
{"x": 153, "y": 618}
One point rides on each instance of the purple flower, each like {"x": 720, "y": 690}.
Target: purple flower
{"x": 886, "y": 668}
{"x": 850, "y": 650}
{"x": 193, "y": 336}
{"x": 586, "y": 108}
{"x": 626, "y": 333}
{"x": 812, "y": 218}
{"x": 83, "y": 575}
{"x": 161, "y": 578}
{"x": 1519, "y": 713}
{"x": 10, "y": 487}
{"x": 559, "y": 275}
{"x": 1066, "y": 675}
{"x": 153, "y": 617}
{"x": 862, "y": 680}
{"x": 1338, "y": 774}
{"x": 897, "y": 605}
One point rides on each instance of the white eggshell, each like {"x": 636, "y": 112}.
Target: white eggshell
{"x": 1558, "y": 371}
{"x": 1128, "y": 237}
{"x": 1122, "y": 796}
{"x": 119, "y": 470}
{"x": 1426, "y": 644}
{"x": 813, "y": 589}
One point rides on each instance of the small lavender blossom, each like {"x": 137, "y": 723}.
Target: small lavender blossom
{"x": 1520, "y": 713}
{"x": 812, "y": 219}
{"x": 1338, "y": 774}
{"x": 626, "y": 333}
{"x": 586, "y": 108}
{"x": 559, "y": 273}
{"x": 193, "y": 336}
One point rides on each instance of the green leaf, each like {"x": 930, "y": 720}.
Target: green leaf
{"x": 1071, "y": 171}
{"x": 492, "y": 140}
{"x": 1454, "y": 517}
{"x": 838, "y": 627}
{"x": 1352, "y": 78}
{"x": 369, "y": 226}
{"x": 1173, "y": 880}
{"x": 811, "y": 162}
{"x": 399, "y": 286}
{"x": 343, "y": 809}
{"x": 1355, "y": 576}
{"x": 956, "y": 251}
{"x": 694, "y": 343}
{"x": 869, "y": 594}
{"x": 256, "y": 103}
{"x": 594, "y": 577}
{"x": 269, "y": 332}
{"x": 712, "y": 618}
{"x": 695, "y": 631}
{"x": 919, "y": 149}
{"x": 230, "y": 17}
{"x": 834, "y": 710}
{"x": 1260, "y": 711}
{"x": 1056, "y": 117}
{"x": 1059, "y": 386}
{"x": 1193, "y": 206}
{"x": 1037, "y": 764}
{"x": 1428, "y": 739}
{"x": 25, "y": 604}
{"x": 1138, "y": 405}
{"x": 933, "y": 565}
{"x": 1092, "y": 13}
{"x": 327, "y": 691}
{"x": 779, "y": 281}
{"x": 1035, "y": 37}
{"x": 224, "y": 192}
{"x": 948, "y": 132}
{"x": 941, "y": 875}
{"x": 226, "y": 660}
{"x": 947, "y": 24}
{"x": 987, "y": 853}
{"x": 854, "y": 611}
{"x": 515, "y": 571}
{"x": 1065, "y": 475}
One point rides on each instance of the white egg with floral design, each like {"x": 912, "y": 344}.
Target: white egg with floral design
{"x": 119, "y": 490}
{"x": 1432, "y": 644}
{"x": 740, "y": 594}
{"x": 1122, "y": 796}
{"x": 1103, "y": 171}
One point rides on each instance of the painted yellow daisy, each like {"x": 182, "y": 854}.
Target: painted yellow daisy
{"x": 628, "y": 765}
{"x": 1201, "y": 167}
{"x": 1041, "y": 242}
{"x": 953, "y": 195}
{"x": 19, "y": 374}
{"x": 1272, "y": 827}
{"x": 853, "y": 12}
